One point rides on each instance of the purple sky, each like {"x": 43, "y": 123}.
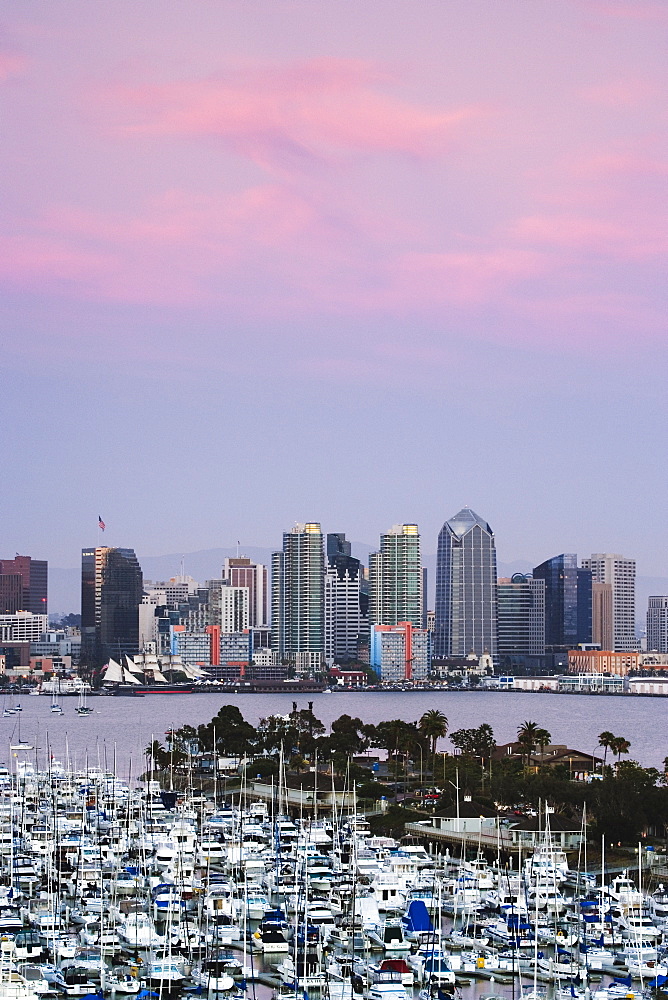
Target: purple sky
{"x": 359, "y": 263}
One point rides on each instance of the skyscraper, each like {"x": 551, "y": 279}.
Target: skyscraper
{"x": 111, "y": 592}
{"x": 568, "y": 601}
{"x": 521, "y": 618}
{"x": 602, "y": 629}
{"x": 657, "y": 624}
{"x": 395, "y": 578}
{"x": 234, "y": 609}
{"x": 298, "y": 592}
{"x": 23, "y": 585}
{"x": 620, "y": 573}
{"x": 239, "y": 571}
{"x": 343, "y": 579}
{"x": 466, "y": 603}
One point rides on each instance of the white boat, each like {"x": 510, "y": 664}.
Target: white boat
{"x": 83, "y": 707}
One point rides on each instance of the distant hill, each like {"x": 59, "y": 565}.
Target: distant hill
{"x": 206, "y": 564}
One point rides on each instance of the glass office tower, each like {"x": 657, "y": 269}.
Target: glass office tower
{"x": 111, "y": 592}
{"x": 466, "y": 602}
{"x": 568, "y": 601}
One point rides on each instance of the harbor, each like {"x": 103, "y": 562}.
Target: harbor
{"x": 137, "y": 885}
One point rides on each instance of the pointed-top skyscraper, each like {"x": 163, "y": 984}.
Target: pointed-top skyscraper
{"x": 465, "y": 608}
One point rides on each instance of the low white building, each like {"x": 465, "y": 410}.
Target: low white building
{"x": 648, "y": 685}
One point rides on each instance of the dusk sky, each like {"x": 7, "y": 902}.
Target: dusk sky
{"x": 355, "y": 262}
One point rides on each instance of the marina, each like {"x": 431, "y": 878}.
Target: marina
{"x": 116, "y": 888}
{"x": 116, "y": 883}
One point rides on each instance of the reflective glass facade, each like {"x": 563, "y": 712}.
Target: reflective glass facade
{"x": 568, "y": 601}
{"x": 111, "y": 592}
{"x": 466, "y": 600}
{"x": 521, "y": 609}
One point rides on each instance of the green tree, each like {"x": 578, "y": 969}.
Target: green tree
{"x": 434, "y": 725}
{"x": 158, "y": 754}
{"x": 619, "y": 746}
{"x": 464, "y": 740}
{"x": 543, "y": 739}
{"x": 526, "y": 737}
{"x": 605, "y": 740}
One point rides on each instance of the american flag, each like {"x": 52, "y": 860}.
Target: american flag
{"x": 100, "y": 523}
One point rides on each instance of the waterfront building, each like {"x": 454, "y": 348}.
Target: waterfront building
{"x": 111, "y": 592}
{"x": 298, "y": 593}
{"x": 396, "y": 578}
{"x": 657, "y": 624}
{"x": 521, "y": 621}
{"x": 192, "y": 647}
{"x": 235, "y": 648}
{"x": 568, "y": 608}
{"x": 602, "y": 661}
{"x": 343, "y": 615}
{"x": 240, "y": 571}
{"x": 466, "y": 597}
{"x": 620, "y": 573}
{"x": 400, "y": 652}
{"x": 24, "y": 585}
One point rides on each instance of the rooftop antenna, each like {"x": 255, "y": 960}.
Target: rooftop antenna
{"x": 238, "y": 544}
{"x": 183, "y": 566}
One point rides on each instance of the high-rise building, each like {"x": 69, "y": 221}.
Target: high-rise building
{"x": 602, "y": 626}
{"x": 298, "y": 592}
{"x": 234, "y": 609}
{"x": 466, "y": 609}
{"x": 111, "y": 592}
{"x": 657, "y": 624}
{"x": 395, "y": 578}
{"x": 568, "y": 607}
{"x": 400, "y": 652}
{"x": 521, "y": 618}
{"x": 23, "y": 585}
{"x": 343, "y": 619}
{"x": 239, "y": 571}
{"x": 620, "y": 573}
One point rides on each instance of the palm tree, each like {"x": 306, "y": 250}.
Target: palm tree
{"x": 158, "y": 754}
{"x": 434, "y": 725}
{"x": 605, "y": 740}
{"x": 543, "y": 739}
{"x": 527, "y": 737}
{"x": 619, "y": 746}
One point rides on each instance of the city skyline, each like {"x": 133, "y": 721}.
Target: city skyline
{"x": 279, "y": 242}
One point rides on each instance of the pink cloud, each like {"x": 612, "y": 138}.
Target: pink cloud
{"x": 303, "y": 112}
{"x": 585, "y": 233}
{"x": 634, "y": 10}
{"x": 11, "y": 64}
{"x": 621, "y": 93}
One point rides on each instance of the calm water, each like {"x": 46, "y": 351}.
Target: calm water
{"x": 121, "y": 728}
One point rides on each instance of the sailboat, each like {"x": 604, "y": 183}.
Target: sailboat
{"x": 82, "y": 708}
{"x": 20, "y": 744}
{"x": 56, "y": 708}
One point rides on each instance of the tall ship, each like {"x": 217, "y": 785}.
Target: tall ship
{"x": 150, "y": 673}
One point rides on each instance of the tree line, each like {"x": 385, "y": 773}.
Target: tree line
{"x": 622, "y": 800}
